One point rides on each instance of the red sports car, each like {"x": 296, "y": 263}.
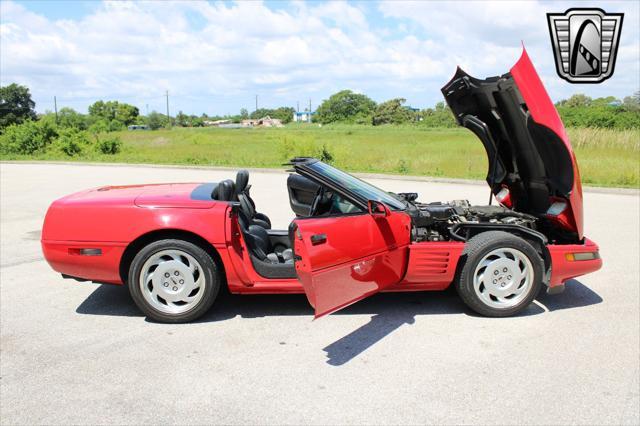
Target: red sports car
{"x": 176, "y": 245}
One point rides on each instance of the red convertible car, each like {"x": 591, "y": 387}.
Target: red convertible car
{"x": 176, "y": 245}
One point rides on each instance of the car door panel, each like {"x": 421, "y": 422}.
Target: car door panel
{"x": 361, "y": 255}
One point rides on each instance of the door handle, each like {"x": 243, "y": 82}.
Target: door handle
{"x": 318, "y": 239}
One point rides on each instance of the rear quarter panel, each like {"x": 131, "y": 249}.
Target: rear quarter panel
{"x": 111, "y": 226}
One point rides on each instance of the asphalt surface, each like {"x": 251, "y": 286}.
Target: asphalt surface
{"x": 82, "y": 353}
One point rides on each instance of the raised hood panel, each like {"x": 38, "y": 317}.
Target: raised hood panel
{"x": 527, "y": 146}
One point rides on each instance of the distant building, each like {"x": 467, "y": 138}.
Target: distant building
{"x": 216, "y": 123}
{"x": 269, "y": 122}
{"x": 303, "y": 116}
{"x": 249, "y": 122}
{"x": 262, "y": 122}
{"x": 138, "y": 127}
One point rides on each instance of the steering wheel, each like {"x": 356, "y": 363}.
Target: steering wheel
{"x": 316, "y": 201}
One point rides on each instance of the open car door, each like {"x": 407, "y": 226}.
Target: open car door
{"x": 342, "y": 259}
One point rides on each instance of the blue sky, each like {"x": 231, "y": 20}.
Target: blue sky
{"x": 214, "y": 57}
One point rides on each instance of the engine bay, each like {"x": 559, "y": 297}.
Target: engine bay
{"x": 459, "y": 220}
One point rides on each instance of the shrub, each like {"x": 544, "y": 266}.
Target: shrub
{"x": 100, "y": 126}
{"x": 72, "y": 141}
{"x": 324, "y": 154}
{"x": 403, "y": 167}
{"x": 27, "y": 138}
{"x": 110, "y": 146}
{"x": 304, "y": 147}
{"x": 115, "y": 126}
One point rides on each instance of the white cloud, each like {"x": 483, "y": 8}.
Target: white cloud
{"x": 214, "y": 57}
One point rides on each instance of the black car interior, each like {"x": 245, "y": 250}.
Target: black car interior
{"x": 270, "y": 249}
{"x": 247, "y": 205}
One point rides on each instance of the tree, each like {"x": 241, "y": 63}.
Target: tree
{"x": 16, "y": 105}
{"x": 345, "y": 106}
{"x": 101, "y": 109}
{"x": 439, "y": 116}
{"x": 114, "y": 111}
{"x": 244, "y": 114}
{"x": 606, "y": 101}
{"x": 577, "y": 100}
{"x": 632, "y": 103}
{"x": 68, "y": 117}
{"x": 392, "y": 112}
{"x": 182, "y": 119}
{"x": 284, "y": 114}
{"x": 155, "y": 120}
{"x": 126, "y": 114}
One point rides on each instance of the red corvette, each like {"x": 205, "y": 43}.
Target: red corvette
{"x": 176, "y": 245}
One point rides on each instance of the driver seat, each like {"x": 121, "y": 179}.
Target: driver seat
{"x": 247, "y": 205}
{"x": 258, "y": 240}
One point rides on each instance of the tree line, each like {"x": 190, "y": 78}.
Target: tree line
{"x": 22, "y": 131}
{"x": 577, "y": 111}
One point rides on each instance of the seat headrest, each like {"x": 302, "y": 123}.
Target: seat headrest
{"x": 224, "y": 191}
{"x": 242, "y": 180}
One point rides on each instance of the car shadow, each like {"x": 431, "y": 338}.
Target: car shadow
{"x": 389, "y": 311}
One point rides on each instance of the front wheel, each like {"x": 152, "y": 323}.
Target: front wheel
{"x": 499, "y": 275}
{"x": 173, "y": 281}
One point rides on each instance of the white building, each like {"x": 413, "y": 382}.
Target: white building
{"x": 302, "y": 116}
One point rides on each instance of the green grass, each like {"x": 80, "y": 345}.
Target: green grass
{"x": 606, "y": 157}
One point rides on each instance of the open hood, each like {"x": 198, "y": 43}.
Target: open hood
{"x": 532, "y": 167}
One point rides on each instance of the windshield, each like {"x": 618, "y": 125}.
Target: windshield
{"x": 359, "y": 187}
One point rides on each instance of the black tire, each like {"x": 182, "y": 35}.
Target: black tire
{"x": 209, "y": 268}
{"x": 475, "y": 250}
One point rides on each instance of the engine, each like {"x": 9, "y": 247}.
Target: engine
{"x": 434, "y": 221}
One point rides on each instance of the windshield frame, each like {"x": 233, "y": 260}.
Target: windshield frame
{"x": 355, "y": 189}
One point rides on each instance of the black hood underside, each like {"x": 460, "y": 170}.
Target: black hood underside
{"x": 528, "y": 158}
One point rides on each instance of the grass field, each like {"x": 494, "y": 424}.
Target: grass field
{"x": 606, "y": 157}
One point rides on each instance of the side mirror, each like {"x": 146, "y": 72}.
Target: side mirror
{"x": 378, "y": 209}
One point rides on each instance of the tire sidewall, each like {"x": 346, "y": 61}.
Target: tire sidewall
{"x": 209, "y": 269}
{"x": 478, "y": 247}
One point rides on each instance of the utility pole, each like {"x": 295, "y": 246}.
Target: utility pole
{"x": 147, "y": 105}
{"x": 55, "y": 107}
{"x": 256, "y": 102}
{"x": 297, "y": 111}
{"x": 309, "y": 115}
{"x": 168, "y": 116}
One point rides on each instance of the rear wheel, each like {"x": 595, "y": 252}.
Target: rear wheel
{"x": 173, "y": 281}
{"x": 500, "y": 274}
